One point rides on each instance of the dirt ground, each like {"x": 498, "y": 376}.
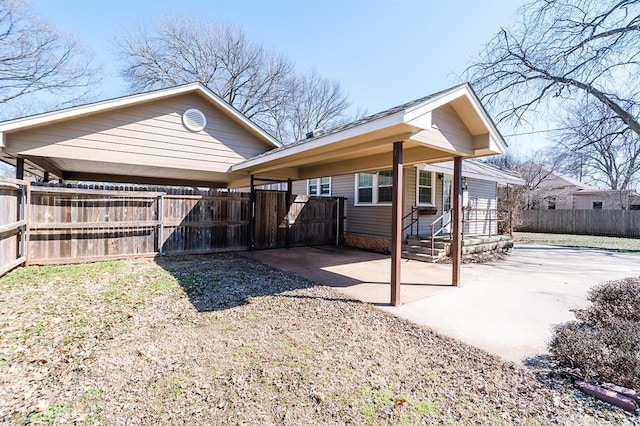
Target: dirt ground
{"x": 227, "y": 340}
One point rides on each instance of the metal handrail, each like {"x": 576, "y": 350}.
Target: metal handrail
{"x": 435, "y": 233}
{"x": 413, "y": 211}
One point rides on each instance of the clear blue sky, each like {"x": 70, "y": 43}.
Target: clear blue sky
{"x": 383, "y": 52}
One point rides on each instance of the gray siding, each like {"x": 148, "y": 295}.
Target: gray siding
{"x": 375, "y": 220}
{"x": 299, "y": 187}
{"x": 372, "y": 220}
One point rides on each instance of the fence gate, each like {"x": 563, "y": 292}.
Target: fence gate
{"x": 307, "y": 221}
{"x": 13, "y": 223}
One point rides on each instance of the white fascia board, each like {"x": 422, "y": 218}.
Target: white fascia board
{"x": 486, "y": 119}
{"x": 441, "y": 100}
{"x": 46, "y": 117}
{"x": 101, "y": 106}
{"x": 372, "y": 126}
{"x": 2, "y": 140}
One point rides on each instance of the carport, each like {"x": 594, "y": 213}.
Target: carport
{"x": 416, "y": 132}
{"x": 230, "y": 151}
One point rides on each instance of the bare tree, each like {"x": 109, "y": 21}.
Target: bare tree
{"x": 565, "y": 51}
{"x": 596, "y": 143}
{"x": 259, "y": 83}
{"x": 318, "y": 103}
{"x": 36, "y": 59}
{"x": 542, "y": 188}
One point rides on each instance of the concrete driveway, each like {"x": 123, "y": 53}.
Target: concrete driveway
{"x": 507, "y": 307}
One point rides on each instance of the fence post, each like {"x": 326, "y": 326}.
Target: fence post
{"x": 161, "y": 224}
{"x": 26, "y": 217}
{"x": 287, "y": 232}
{"x": 337, "y": 222}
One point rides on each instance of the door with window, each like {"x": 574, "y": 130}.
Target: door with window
{"x": 446, "y": 204}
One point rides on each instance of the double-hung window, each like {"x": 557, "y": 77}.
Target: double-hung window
{"x": 319, "y": 186}
{"x": 374, "y": 188}
{"x": 425, "y": 192}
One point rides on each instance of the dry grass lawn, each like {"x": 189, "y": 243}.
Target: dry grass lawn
{"x": 628, "y": 245}
{"x": 224, "y": 340}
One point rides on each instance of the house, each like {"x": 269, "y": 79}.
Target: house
{"x": 552, "y": 190}
{"x": 186, "y": 135}
{"x": 605, "y": 199}
{"x": 428, "y": 191}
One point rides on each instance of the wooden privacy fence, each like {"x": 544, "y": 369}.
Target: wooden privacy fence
{"x": 614, "y": 223}
{"x": 54, "y": 225}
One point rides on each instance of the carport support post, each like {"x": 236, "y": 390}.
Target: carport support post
{"x": 20, "y": 168}
{"x": 252, "y": 215}
{"x": 456, "y": 254}
{"x": 396, "y": 223}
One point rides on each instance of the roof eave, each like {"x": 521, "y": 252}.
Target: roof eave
{"x": 397, "y": 118}
{"x": 456, "y": 92}
{"x": 111, "y": 104}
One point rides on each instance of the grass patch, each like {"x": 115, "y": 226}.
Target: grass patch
{"x": 225, "y": 340}
{"x": 628, "y": 245}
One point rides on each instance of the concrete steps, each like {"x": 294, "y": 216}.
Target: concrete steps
{"x": 417, "y": 249}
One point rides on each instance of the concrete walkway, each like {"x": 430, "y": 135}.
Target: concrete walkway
{"x": 507, "y": 307}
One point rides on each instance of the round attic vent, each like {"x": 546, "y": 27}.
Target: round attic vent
{"x": 194, "y": 120}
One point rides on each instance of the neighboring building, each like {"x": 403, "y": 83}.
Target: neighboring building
{"x": 551, "y": 190}
{"x": 587, "y": 199}
{"x": 427, "y": 188}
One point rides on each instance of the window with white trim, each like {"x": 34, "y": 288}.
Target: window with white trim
{"x": 374, "y": 188}
{"x": 319, "y": 186}
{"x": 425, "y": 188}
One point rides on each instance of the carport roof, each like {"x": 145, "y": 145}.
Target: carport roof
{"x": 478, "y": 170}
{"x": 435, "y": 128}
{"x": 129, "y": 100}
{"x": 365, "y": 144}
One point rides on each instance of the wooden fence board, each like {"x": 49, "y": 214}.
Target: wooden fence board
{"x": 614, "y": 223}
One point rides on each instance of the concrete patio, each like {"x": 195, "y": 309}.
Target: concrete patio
{"x": 507, "y": 307}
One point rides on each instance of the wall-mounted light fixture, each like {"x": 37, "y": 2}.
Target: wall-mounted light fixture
{"x": 464, "y": 183}
{"x": 440, "y": 176}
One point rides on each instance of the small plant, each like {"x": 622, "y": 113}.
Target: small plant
{"x": 604, "y": 341}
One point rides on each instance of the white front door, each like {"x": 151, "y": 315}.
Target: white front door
{"x": 446, "y": 203}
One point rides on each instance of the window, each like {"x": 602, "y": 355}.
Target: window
{"x": 320, "y": 187}
{"x": 282, "y": 186}
{"x": 597, "y": 205}
{"x": 376, "y": 188}
{"x": 551, "y": 203}
{"x": 425, "y": 187}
